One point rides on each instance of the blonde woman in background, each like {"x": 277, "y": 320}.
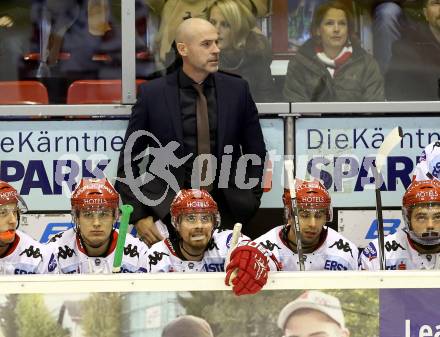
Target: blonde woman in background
{"x": 245, "y": 51}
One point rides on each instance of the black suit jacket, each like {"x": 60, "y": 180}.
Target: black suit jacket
{"x": 157, "y": 110}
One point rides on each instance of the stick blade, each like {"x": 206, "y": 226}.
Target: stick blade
{"x": 390, "y": 141}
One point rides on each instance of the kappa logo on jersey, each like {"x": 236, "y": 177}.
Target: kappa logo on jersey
{"x": 65, "y": 252}
{"x": 52, "y": 263}
{"x": 32, "y": 252}
{"x": 212, "y": 245}
{"x": 156, "y": 257}
{"x": 370, "y": 252}
{"x": 270, "y": 245}
{"x": 390, "y": 226}
{"x": 56, "y": 237}
{"x": 393, "y": 246}
{"x": 131, "y": 250}
{"x": 344, "y": 246}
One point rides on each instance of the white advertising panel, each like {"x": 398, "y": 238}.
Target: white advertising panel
{"x": 341, "y": 151}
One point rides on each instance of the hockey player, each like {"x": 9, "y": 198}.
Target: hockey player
{"x": 323, "y": 248}
{"x": 417, "y": 244}
{"x": 429, "y": 163}
{"x": 89, "y": 247}
{"x": 201, "y": 246}
{"x": 19, "y": 253}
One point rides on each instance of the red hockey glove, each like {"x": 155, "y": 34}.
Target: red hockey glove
{"x": 251, "y": 267}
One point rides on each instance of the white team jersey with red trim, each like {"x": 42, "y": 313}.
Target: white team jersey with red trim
{"x": 163, "y": 258}
{"x": 27, "y": 256}
{"x": 335, "y": 253}
{"x": 429, "y": 163}
{"x": 73, "y": 259}
{"x": 399, "y": 255}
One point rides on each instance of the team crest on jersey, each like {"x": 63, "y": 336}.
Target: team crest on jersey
{"x": 370, "y": 252}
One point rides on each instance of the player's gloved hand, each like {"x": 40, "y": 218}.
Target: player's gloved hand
{"x": 248, "y": 268}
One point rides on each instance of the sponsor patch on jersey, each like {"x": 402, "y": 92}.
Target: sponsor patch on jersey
{"x": 370, "y": 252}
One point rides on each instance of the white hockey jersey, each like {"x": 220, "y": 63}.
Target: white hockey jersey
{"x": 429, "y": 163}
{"x": 334, "y": 253}
{"x": 399, "y": 255}
{"x": 162, "y": 257}
{"x": 27, "y": 256}
{"x": 72, "y": 257}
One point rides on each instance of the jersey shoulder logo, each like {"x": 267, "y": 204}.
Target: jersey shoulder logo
{"x": 65, "y": 252}
{"x": 32, "y": 252}
{"x": 212, "y": 245}
{"x": 270, "y": 245}
{"x": 370, "y": 252}
{"x": 55, "y": 237}
{"x": 156, "y": 257}
{"x": 393, "y": 246}
{"x": 344, "y": 246}
{"x": 131, "y": 250}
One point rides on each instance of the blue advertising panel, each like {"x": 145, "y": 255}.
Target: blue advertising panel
{"x": 44, "y": 159}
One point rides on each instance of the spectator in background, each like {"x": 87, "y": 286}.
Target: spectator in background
{"x": 415, "y": 67}
{"x": 332, "y": 66}
{"x": 86, "y": 31}
{"x": 313, "y": 313}
{"x": 390, "y": 19}
{"x": 244, "y": 49}
{"x": 173, "y": 12}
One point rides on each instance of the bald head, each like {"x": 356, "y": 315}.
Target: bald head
{"x": 192, "y": 27}
{"x": 196, "y": 42}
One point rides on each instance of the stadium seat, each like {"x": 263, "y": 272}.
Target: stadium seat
{"x": 96, "y": 91}
{"x": 23, "y": 92}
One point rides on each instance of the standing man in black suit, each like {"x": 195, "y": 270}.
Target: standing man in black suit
{"x": 192, "y": 111}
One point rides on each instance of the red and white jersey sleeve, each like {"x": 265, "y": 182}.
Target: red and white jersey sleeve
{"x": 72, "y": 257}
{"x": 334, "y": 253}
{"x": 27, "y": 256}
{"x": 162, "y": 257}
{"x": 400, "y": 254}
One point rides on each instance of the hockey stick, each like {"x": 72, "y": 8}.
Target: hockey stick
{"x": 126, "y": 211}
{"x": 390, "y": 141}
{"x": 288, "y": 166}
{"x": 234, "y": 242}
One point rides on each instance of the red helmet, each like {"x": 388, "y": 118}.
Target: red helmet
{"x": 418, "y": 193}
{"x": 309, "y": 195}
{"x": 421, "y": 192}
{"x": 9, "y": 195}
{"x": 193, "y": 201}
{"x": 94, "y": 193}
